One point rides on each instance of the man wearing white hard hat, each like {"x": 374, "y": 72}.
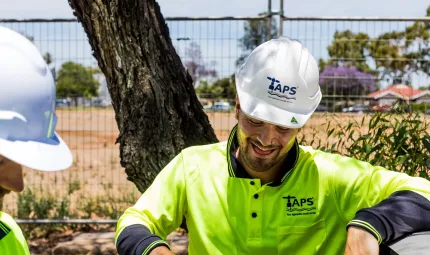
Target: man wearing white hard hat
{"x": 27, "y": 126}
{"x": 261, "y": 192}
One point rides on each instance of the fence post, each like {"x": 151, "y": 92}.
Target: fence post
{"x": 269, "y": 21}
{"x": 281, "y": 17}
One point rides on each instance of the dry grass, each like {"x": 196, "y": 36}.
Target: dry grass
{"x": 96, "y": 174}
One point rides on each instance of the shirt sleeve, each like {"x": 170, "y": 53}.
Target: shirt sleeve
{"x": 12, "y": 241}
{"x": 156, "y": 214}
{"x": 386, "y": 203}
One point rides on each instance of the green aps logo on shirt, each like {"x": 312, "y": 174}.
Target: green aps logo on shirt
{"x": 300, "y": 206}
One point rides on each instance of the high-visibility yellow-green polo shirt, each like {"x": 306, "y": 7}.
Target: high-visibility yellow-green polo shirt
{"x": 12, "y": 241}
{"x": 307, "y": 212}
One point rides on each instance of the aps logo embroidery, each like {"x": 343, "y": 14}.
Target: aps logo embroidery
{"x": 300, "y": 206}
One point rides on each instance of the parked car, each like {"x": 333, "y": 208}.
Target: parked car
{"x": 219, "y": 107}
{"x": 383, "y": 108}
{"x": 321, "y": 108}
{"x": 62, "y": 102}
{"x": 357, "y": 109}
{"x": 100, "y": 102}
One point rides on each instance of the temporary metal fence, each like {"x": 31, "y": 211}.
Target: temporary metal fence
{"x": 211, "y": 48}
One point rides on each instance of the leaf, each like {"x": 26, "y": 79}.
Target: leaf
{"x": 333, "y": 146}
{"x": 426, "y": 143}
{"x": 378, "y": 135}
{"x": 330, "y": 132}
{"x": 401, "y": 159}
{"x": 368, "y": 148}
{"x": 367, "y": 136}
{"x": 424, "y": 174}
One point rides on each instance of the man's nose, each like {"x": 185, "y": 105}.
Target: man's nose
{"x": 267, "y": 135}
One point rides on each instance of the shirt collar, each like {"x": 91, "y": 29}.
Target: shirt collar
{"x": 237, "y": 170}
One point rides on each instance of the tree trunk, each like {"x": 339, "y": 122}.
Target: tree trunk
{"x": 156, "y": 109}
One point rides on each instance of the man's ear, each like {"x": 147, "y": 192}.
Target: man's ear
{"x": 237, "y": 108}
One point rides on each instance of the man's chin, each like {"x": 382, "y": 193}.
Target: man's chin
{"x": 260, "y": 165}
{"x": 262, "y": 161}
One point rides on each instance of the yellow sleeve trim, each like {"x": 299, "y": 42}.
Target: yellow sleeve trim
{"x": 152, "y": 245}
{"x": 368, "y": 227}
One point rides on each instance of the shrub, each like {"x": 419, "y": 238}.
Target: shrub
{"x": 399, "y": 142}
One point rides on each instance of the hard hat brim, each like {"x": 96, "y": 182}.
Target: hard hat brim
{"x": 50, "y": 155}
{"x": 261, "y": 110}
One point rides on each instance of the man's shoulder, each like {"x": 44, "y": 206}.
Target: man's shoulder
{"x": 8, "y": 225}
{"x": 309, "y": 151}
{"x": 207, "y": 159}
{"x": 7, "y": 222}
{"x": 321, "y": 159}
{"x": 12, "y": 241}
{"x": 331, "y": 161}
{"x": 202, "y": 150}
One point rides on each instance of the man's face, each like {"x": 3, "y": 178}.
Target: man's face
{"x": 10, "y": 176}
{"x": 262, "y": 145}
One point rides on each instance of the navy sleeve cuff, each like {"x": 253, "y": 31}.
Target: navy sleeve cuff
{"x": 369, "y": 222}
{"x": 138, "y": 240}
{"x": 403, "y": 213}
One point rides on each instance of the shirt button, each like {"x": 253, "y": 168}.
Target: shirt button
{"x": 254, "y": 215}
{"x": 252, "y": 182}
{"x": 256, "y": 196}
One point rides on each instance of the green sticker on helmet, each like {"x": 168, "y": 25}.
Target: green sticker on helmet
{"x": 294, "y": 121}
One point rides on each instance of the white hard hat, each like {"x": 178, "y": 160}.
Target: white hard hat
{"x": 27, "y": 107}
{"x": 278, "y": 83}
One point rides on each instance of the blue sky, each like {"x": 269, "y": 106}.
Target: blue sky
{"x": 218, "y": 40}
{"x": 383, "y": 8}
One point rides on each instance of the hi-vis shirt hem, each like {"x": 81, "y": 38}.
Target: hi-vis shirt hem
{"x": 366, "y": 226}
{"x": 155, "y": 244}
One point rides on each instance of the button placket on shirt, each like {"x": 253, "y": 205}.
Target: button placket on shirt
{"x": 255, "y": 209}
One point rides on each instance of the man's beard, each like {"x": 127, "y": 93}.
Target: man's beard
{"x": 257, "y": 164}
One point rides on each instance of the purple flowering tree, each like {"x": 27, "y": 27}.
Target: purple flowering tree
{"x": 195, "y": 64}
{"x": 346, "y": 81}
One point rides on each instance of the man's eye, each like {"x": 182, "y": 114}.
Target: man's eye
{"x": 283, "y": 129}
{"x": 255, "y": 122}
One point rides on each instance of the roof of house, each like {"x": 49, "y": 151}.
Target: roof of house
{"x": 401, "y": 91}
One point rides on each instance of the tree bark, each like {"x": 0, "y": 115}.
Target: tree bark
{"x": 156, "y": 108}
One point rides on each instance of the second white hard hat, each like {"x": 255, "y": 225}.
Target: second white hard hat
{"x": 27, "y": 107}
